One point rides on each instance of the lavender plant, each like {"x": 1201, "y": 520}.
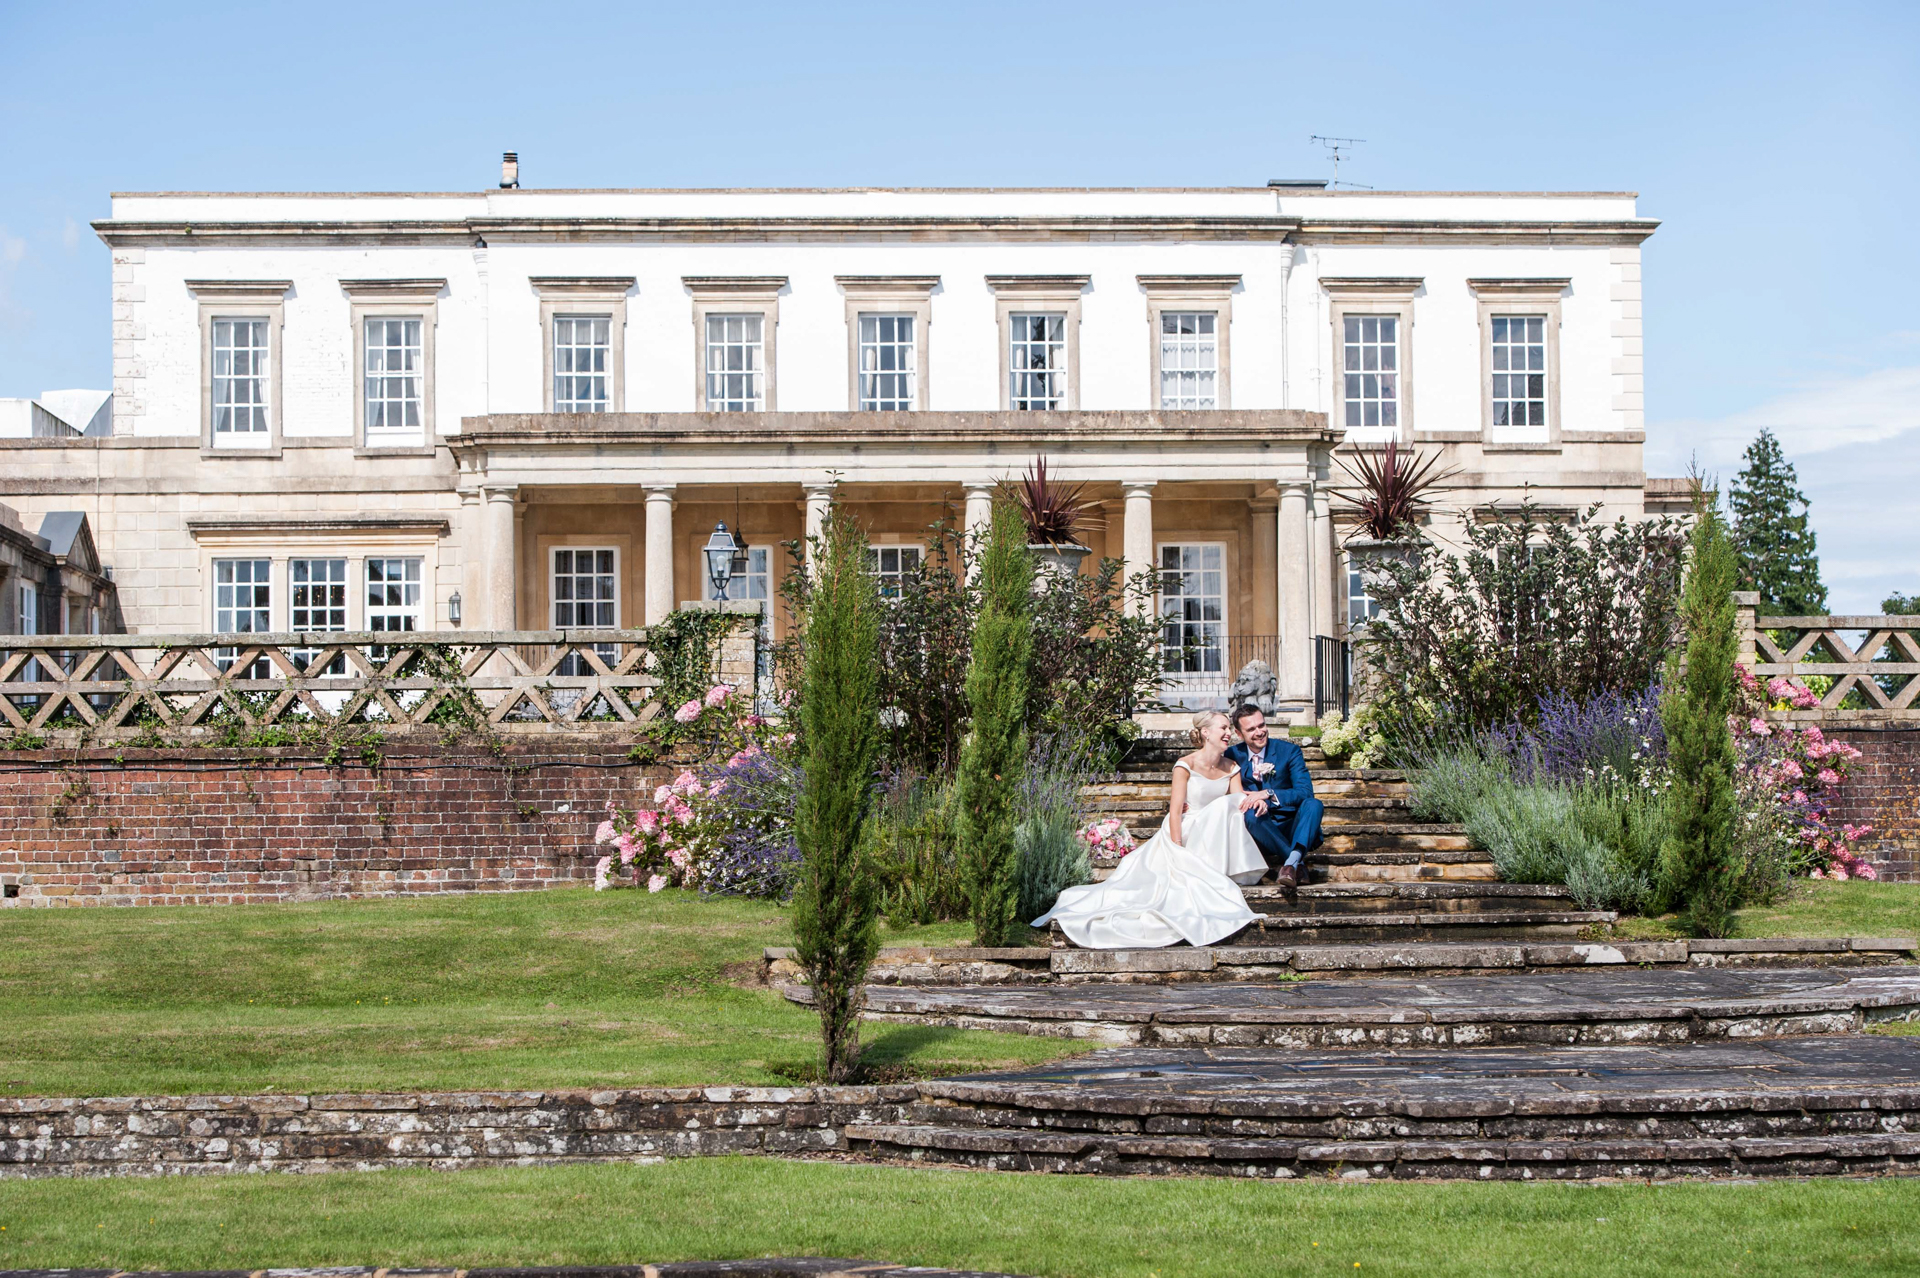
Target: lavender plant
{"x": 1610, "y": 737}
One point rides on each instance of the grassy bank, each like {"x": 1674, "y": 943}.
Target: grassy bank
{"x": 567, "y": 988}
{"x": 1812, "y": 908}
{"x": 1040, "y": 1225}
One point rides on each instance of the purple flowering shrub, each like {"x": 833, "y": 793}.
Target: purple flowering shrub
{"x": 1609, "y": 737}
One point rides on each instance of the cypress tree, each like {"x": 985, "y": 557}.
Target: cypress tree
{"x": 1701, "y": 862}
{"x": 995, "y": 751}
{"x": 1772, "y": 533}
{"x": 836, "y": 906}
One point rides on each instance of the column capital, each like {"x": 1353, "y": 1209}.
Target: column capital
{"x": 501, "y": 492}
{"x": 1138, "y": 487}
{"x": 659, "y": 492}
{"x": 819, "y": 489}
{"x": 1295, "y": 488}
{"x": 981, "y": 487}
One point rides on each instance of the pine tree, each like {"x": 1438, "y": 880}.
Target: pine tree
{"x": 1772, "y": 533}
{"x": 1701, "y": 861}
{"x": 836, "y": 906}
{"x": 995, "y": 752}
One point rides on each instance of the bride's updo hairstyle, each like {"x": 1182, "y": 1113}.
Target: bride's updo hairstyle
{"x": 1201, "y": 719}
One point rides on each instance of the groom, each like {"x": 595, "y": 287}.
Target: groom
{"x": 1279, "y": 808}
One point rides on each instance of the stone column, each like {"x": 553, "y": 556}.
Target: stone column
{"x": 1326, "y": 562}
{"x": 1137, "y": 530}
{"x": 502, "y": 610}
{"x": 1296, "y": 594}
{"x": 659, "y": 553}
{"x": 979, "y": 515}
{"x": 819, "y": 499}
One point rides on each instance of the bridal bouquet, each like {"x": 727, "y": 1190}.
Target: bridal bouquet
{"x": 1107, "y": 840}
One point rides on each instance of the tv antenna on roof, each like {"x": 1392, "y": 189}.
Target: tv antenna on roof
{"x": 1337, "y": 150}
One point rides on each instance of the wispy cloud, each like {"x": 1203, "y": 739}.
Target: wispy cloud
{"x": 1855, "y": 443}
{"x": 1832, "y": 413}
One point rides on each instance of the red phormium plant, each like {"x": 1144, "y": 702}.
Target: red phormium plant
{"x": 1053, "y": 511}
{"x": 1389, "y": 489}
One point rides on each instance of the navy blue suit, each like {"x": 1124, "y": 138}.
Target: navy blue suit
{"x": 1290, "y": 827}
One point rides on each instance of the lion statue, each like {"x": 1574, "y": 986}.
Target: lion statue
{"x": 1255, "y": 683}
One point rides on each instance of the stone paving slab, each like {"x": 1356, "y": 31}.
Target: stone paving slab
{"x": 1786, "y": 1107}
{"x": 1567, "y": 1006}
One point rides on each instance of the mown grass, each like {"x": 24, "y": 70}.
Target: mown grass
{"x": 567, "y": 988}
{"x": 1039, "y": 1225}
{"x": 1812, "y": 908}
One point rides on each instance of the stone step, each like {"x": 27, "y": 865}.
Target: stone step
{"x": 1365, "y": 899}
{"x": 1144, "y": 813}
{"x": 1609, "y": 1004}
{"x": 1039, "y": 964}
{"x": 1839, "y": 1105}
{"x": 1387, "y": 853}
{"x": 1322, "y": 777}
{"x": 1283, "y": 928}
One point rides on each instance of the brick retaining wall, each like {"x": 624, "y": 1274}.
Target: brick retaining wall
{"x": 174, "y": 1135}
{"x": 1884, "y": 791}
{"x": 194, "y": 827}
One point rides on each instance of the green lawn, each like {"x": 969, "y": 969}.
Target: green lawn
{"x": 567, "y": 988}
{"x": 1039, "y": 1225}
{"x": 1812, "y": 909}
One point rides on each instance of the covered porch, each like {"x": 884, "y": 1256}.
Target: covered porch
{"x": 600, "y": 520}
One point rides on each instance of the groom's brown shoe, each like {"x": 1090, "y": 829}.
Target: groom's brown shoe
{"x": 1287, "y": 877}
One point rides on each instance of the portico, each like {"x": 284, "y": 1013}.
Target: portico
{"x": 1232, "y": 508}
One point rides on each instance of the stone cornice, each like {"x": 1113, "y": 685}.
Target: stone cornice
{"x": 465, "y": 231}
{"x": 239, "y": 290}
{"x": 378, "y": 290}
{"x": 646, "y": 430}
{"x": 272, "y": 524}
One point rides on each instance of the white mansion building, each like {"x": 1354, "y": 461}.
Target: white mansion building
{"x": 350, "y": 411}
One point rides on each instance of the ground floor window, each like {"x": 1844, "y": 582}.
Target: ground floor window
{"x": 242, "y": 604}
{"x": 1193, "y": 608}
{"x": 317, "y": 603}
{"x": 891, "y": 565}
{"x": 586, "y": 596}
{"x": 1361, "y": 606}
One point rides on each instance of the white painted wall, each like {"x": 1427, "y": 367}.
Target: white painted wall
{"x": 489, "y": 344}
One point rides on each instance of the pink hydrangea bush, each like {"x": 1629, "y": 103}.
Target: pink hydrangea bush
{"x": 1797, "y": 770}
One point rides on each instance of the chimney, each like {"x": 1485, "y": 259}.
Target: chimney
{"x": 510, "y": 171}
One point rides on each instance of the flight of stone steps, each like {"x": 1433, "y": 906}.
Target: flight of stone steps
{"x": 1379, "y": 877}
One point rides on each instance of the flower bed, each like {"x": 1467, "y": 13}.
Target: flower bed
{"x": 723, "y": 828}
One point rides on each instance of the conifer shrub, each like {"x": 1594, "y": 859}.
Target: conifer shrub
{"x": 995, "y": 751}
{"x": 836, "y": 906}
{"x": 1701, "y": 860}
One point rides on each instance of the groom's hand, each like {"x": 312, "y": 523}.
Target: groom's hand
{"x": 1254, "y": 802}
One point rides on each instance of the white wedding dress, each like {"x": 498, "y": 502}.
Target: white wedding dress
{"x": 1163, "y": 892}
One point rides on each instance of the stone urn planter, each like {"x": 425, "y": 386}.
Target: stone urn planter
{"x": 1062, "y": 559}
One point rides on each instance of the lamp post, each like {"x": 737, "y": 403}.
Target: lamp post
{"x": 726, "y": 559}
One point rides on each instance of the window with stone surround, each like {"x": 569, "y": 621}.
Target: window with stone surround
{"x": 317, "y": 603}
{"x": 241, "y": 368}
{"x": 582, "y": 345}
{"x": 1519, "y": 354}
{"x": 1370, "y": 370}
{"x": 1189, "y": 359}
{"x": 586, "y": 591}
{"x": 888, "y": 363}
{"x": 1037, "y": 360}
{"x": 1362, "y": 607}
{"x": 1193, "y": 608}
{"x": 392, "y": 380}
{"x": 736, "y": 363}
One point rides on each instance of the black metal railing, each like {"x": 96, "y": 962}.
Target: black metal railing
{"x": 1332, "y": 675}
{"x": 1196, "y": 676}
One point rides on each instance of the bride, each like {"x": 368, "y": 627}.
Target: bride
{"x": 1182, "y": 884}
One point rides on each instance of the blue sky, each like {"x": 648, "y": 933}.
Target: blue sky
{"x": 1777, "y": 143}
